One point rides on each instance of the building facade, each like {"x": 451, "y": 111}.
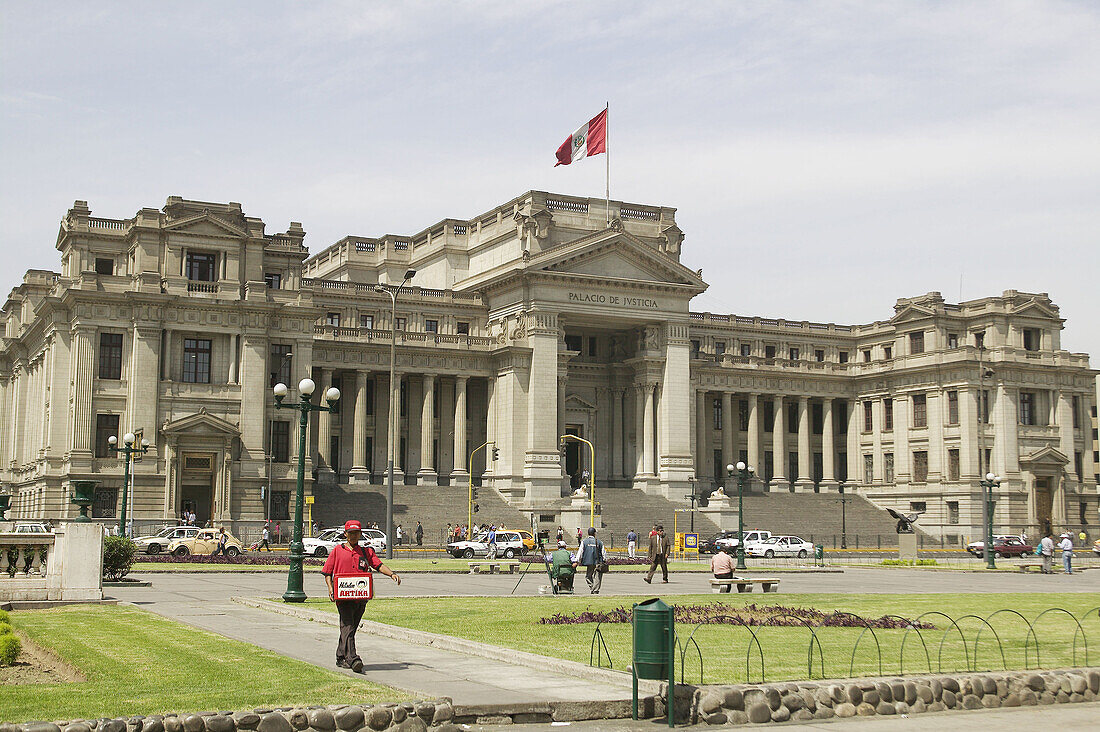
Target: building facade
{"x": 545, "y": 316}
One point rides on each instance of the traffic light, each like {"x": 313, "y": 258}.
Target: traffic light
{"x": 496, "y": 453}
{"x": 599, "y": 507}
{"x": 476, "y": 508}
{"x": 473, "y": 494}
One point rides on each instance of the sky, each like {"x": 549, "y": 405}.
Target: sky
{"x": 825, "y": 158}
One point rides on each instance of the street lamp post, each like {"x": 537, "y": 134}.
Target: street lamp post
{"x": 271, "y": 449}
{"x": 990, "y": 482}
{"x": 744, "y": 472}
{"x": 391, "y": 428}
{"x": 591, "y": 476}
{"x": 843, "y": 519}
{"x": 295, "y": 591}
{"x": 127, "y": 451}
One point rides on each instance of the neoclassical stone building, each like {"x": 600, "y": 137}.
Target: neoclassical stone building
{"x": 546, "y": 315}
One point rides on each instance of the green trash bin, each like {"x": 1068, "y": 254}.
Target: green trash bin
{"x": 654, "y": 636}
{"x": 819, "y": 553}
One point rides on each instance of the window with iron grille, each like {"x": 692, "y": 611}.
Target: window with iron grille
{"x": 888, "y": 467}
{"x": 953, "y": 512}
{"x": 792, "y": 418}
{"x": 768, "y": 415}
{"x": 952, "y": 407}
{"x": 868, "y": 416}
{"x": 743, "y": 414}
{"x": 868, "y": 469}
{"x": 916, "y": 343}
{"x": 920, "y": 466}
{"x": 953, "y": 464}
{"x": 718, "y": 414}
{"x": 887, "y": 414}
{"x": 1027, "y": 408}
{"x": 817, "y": 418}
{"x": 920, "y": 410}
{"x": 104, "y": 501}
{"x": 280, "y": 441}
{"x": 106, "y": 426}
{"x": 1075, "y": 405}
{"x": 196, "y": 360}
{"x": 110, "y": 355}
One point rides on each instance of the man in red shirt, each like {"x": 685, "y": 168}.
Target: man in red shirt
{"x": 348, "y": 558}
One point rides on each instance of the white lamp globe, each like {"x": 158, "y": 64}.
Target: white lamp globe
{"x": 729, "y": 468}
{"x": 144, "y": 442}
{"x": 112, "y": 440}
{"x": 128, "y": 438}
{"x": 306, "y": 387}
{"x": 740, "y": 466}
{"x": 990, "y": 477}
{"x": 280, "y": 389}
{"x": 332, "y": 394}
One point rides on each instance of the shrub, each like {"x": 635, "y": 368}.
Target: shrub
{"x": 118, "y": 557}
{"x": 6, "y": 629}
{"x": 10, "y": 648}
{"x": 4, "y": 617}
{"x": 909, "y": 563}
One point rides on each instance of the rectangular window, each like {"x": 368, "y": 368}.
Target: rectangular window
{"x": 887, "y": 414}
{"x": 196, "y": 360}
{"x": 1032, "y": 338}
{"x": 746, "y": 349}
{"x": 953, "y": 464}
{"x": 334, "y": 453}
{"x": 462, "y": 327}
{"x": 793, "y": 354}
{"x": 819, "y": 355}
{"x": 792, "y": 418}
{"x": 280, "y": 506}
{"x": 792, "y": 466}
{"x": 817, "y": 418}
{"x": 592, "y": 347}
{"x": 887, "y": 352}
{"x": 273, "y": 280}
{"x": 1075, "y": 405}
{"x": 952, "y": 407}
{"x": 104, "y": 266}
{"x": 106, "y": 426}
{"x": 953, "y": 512}
{"x": 403, "y": 398}
{"x": 431, "y": 326}
{"x": 918, "y": 506}
{"x": 769, "y": 351}
{"x": 1027, "y": 407}
{"x": 104, "y": 502}
{"x": 719, "y": 349}
{"x": 983, "y": 406}
{"x": 695, "y": 347}
{"x": 366, "y": 321}
{"x": 332, "y": 319}
{"x": 279, "y": 363}
{"x": 920, "y": 410}
{"x": 769, "y": 466}
{"x": 843, "y": 356}
{"x": 916, "y": 343}
{"x": 867, "y": 355}
{"x": 110, "y": 355}
{"x": 743, "y": 414}
{"x": 718, "y": 414}
{"x": 819, "y": 467}
{"x": 400, "y": 323}
{"x": 1078, "y": 465}
{"x": 842, "y": 466}
{"x": 920, "y": 466}
{"x": 952, "y": 340}
{"x": 868, "y": 416}
{"x": 841, "y": 412}
{"x": 280, "y": 441}
{"x": 202, "y": 266}
{"x": 768, "y": 415}
{"x": 868, "y": 469}
{"x": 888, "y": 467}
{"x": 572, "y": 342}
{"x": 979, "y": 339}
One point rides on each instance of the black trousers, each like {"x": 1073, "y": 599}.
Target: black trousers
{"x": 351, "y": 613}
{"x": 724, "y": 575}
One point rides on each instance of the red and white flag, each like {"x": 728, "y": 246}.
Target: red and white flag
{"x": 590, "y": 139}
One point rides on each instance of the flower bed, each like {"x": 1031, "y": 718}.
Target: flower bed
{"x": 757, "y": 615}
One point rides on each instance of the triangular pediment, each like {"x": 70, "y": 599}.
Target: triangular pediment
{"x": 1035, "y": 309}
{"x": 615, "y": 255}
{"x": 1045, "y": 456}
{"x": 573, "y": 401}
{"x": 912, "y": 312}
{"x": 201, "y": 423}
{"x": 206, "y": 224}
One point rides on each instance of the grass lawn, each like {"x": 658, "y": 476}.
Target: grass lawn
{"x": 442, "y": 564}
{"x": 514, "y": 622}
{"x": 139, "y": 663}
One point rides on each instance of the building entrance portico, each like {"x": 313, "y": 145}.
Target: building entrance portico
{"x": 1043, "y": 472}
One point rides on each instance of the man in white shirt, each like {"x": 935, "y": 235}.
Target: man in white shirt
{"x": 1046, "y": 551}
{"x": 1066, "y": 546}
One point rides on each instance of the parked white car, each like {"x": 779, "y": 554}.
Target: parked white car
{"x": 320, "y": 545}
{"x": 780, "y": 546}
{"x": 751, "y": 537}
{"x": 32, "y": 528}
{"x": 509, "y": 544}
{"x": 158, "y": 542}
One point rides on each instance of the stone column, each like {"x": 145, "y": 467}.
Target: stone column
{"x": 1007, "y": 435}
{"x": 702, "y": 452}
{"x": 855, "y": 455}
{"x": 490, "y": 422}
{"x": 805, "y": 481}
{"x": 324, "y": 426}
{"x": 427, "y": 474}
{"x": 234, "y": 357}
{"x": 728, "y": 454}
{"x": 542, "y": 472}
{"x": 935, "y": 405}
{"x": 460, "y": 472}
{"x": 779, "y": 446}
{"x": 394, "y": 447}
{"x": 650, "y": 430}
{"x": 828, "y": 447}
{"x": 618, "y": 433}
{"x": 968, "y": 434}
{"x": 639, "y": 431}
{"x": 754, "y": 438}
{"x": 674, "y": 463}
{"x": 902, "y": 459}
{"x": 1065, "y": 432}
{"x": 1058, "y": 503}
{"x": 83, "y": 359}
{"x": 359, "y": 472}
{"x": 381, "y": 423}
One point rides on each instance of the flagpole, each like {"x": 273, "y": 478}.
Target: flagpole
{"x": 607, "y": 161}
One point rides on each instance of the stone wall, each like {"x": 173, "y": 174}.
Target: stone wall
{"x": 806, "y": 700}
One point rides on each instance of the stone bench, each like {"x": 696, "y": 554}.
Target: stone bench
{"x": 494, "y": 566}
{"x": 744, "y": 584}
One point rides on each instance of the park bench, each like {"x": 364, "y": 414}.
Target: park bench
{"x": 1026, "y": 566}
{"x": 744, "y": 584}
{"x": 494, "y": 565}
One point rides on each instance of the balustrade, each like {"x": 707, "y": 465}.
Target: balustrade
{"x": 25, "y": 556}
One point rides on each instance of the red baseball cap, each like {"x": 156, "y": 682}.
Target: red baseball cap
{"x": 352, "y": 525}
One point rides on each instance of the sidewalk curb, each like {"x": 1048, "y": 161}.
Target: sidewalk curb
{"x": 468, "y": 647}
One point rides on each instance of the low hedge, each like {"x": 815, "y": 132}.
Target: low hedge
{"x": 10, "y": 648}
{"x": 118, "y": 557}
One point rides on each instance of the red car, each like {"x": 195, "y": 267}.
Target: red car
{"x": 1009, "y": 546}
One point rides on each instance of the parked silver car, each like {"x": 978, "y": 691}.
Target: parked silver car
{"x": 158, "y": 542}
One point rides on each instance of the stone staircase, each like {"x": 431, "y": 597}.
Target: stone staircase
{"x": 434, "y": 507}
{"x": 816, "y": 517}
{"x": 625, "y": 509}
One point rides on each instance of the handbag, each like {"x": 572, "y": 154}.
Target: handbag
{"x": 601, "y": 566}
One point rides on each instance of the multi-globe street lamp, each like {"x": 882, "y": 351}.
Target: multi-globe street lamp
{"x": 295, "y": 591}
{"x": 391, "y": 428}
{"x": 744, "y": 472}
{"x": 127, "y": 451}
{"x": 991, "y": 481}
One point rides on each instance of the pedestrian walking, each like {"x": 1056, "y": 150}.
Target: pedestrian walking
{"x": 491, "y": 544}
{"x": 349, "y": 558}
{"x": 659, "y": 548}
{"x": 419, "y": 534}
{"x": 592, "y": 556}
{"x": 278, "y": 532}
{"x": 222, "y": 539}
{"x": 631, "y": 543}
{"x": 721, "y": 566}
{"x": 579, "y": 536}
{"x": 561, "y": 534}
{"x": 265, "y": 538}
{"x": 1046, "y": 551}
{"x": 1066, "y": 545}
{"x": 400, "y": 534}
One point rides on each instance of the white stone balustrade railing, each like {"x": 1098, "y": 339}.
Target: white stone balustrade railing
{"x": 72, "y": 569}
{"x": 24, "y": 556}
